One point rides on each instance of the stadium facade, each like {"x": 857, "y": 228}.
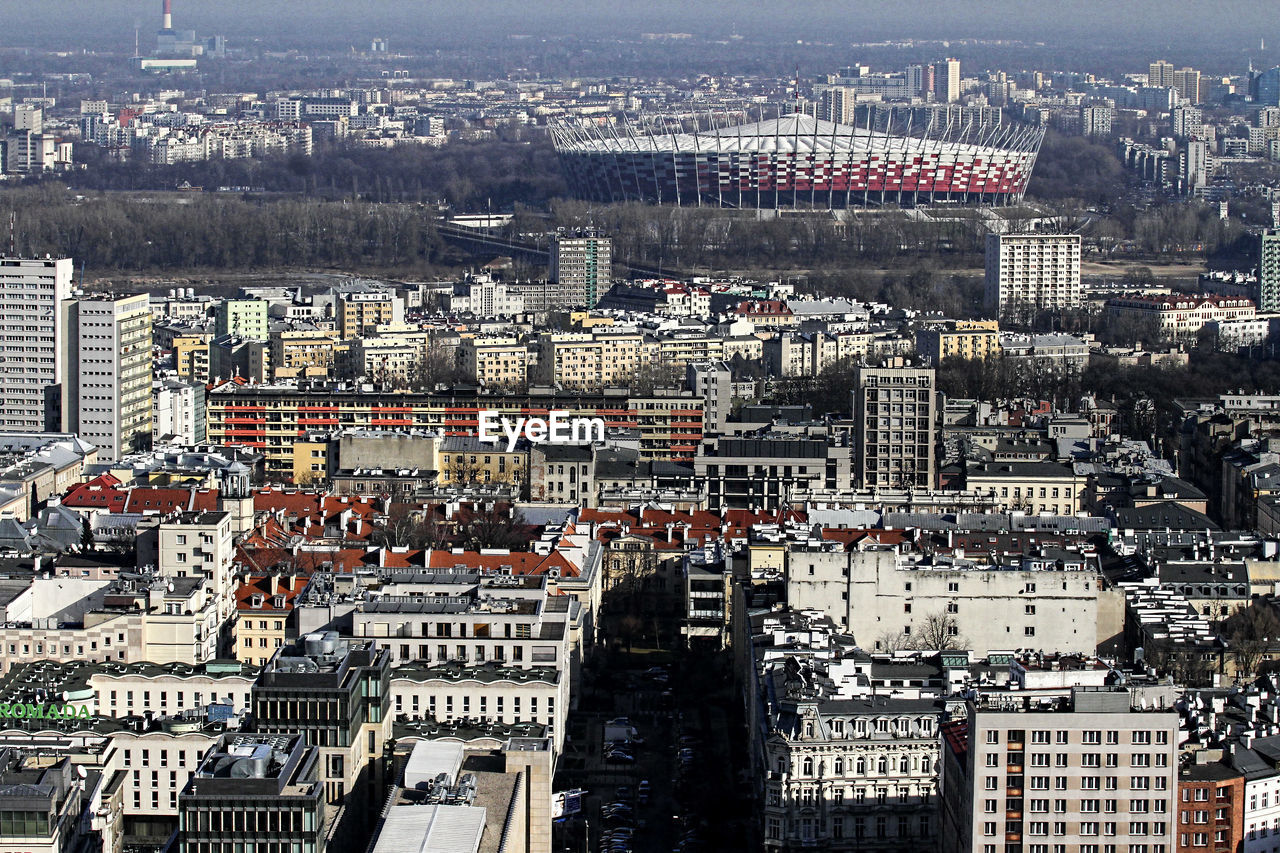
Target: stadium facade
{"x": 797, "y": 160}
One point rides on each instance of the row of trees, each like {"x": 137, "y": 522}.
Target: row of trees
{"x": 468, "y": 175}
{"x": 135, "y": 234}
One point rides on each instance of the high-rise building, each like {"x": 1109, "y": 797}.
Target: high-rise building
{"x": 1033, "y": 272}
{"x": 1188, "y": 121}
{"x": 582, "y": 261}
{"x": 1187, "y": 82}
{"x": 244, "y": 318}
{"x": 837, "y": 104}
{"x": 946, "y": 80}
{"x": 1265, "y": 88}
{"x": 1095, "y": 121}
{"x": 1160, "y": 74}
{"x": 33, "y": 304}
{"x": 917, "y": 80}
{"x": 109, "y": 371}
{"x": 1195, "y": 166}
{"x": 893, "y": 412}
{"x": 1076, "y": 772}
{"x": 1269, "y": 272}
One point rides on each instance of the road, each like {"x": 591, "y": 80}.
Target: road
{"x": 698, "y": 795}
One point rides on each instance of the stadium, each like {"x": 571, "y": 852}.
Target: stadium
{"x": 796, "y": 160}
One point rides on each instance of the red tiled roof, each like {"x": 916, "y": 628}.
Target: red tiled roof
{"x": 956, "y": 736}
{"x": 161, "y": 500}
{"x": 102, "y": 492}
{"x": 268, "y": 586}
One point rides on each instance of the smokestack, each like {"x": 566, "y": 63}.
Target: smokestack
{"x": 168, "y": 15}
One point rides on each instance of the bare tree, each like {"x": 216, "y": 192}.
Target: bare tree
{"x": 893, "y": 641}
{"x": 939, "y": 632}
{"x": 1251, "y": 633}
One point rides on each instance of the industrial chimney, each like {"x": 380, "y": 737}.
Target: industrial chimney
{"x": 168, "y": 16}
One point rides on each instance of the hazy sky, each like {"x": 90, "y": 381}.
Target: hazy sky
{"x": 1115, "y": 24}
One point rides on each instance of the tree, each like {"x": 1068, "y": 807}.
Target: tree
{"x": 892, "y": 641}
{"x": 494, "y": 525}
{"x": 940, "y": 632}
{"x": 1252, "y": 632}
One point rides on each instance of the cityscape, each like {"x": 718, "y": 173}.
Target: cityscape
{"x": 549, "y": 428}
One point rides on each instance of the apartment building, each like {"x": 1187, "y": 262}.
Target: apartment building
{"x": 582, "y": 263}
{"x": 495, "y": 362}
{"x": 177, "y": 412}
{"x": 483, "y": 297}
{"x": 1031, "y": 487}
{"x": 886, "y": 599}
{"x": 1180, "y": 317}
{"x": 304, "y": 354}
{"x": 1092, "y": 773}
{"x": 803, "y": 354}
{"x": 242, "y": 318}
{"x": 586, "y": 361}
{"x": 1269, "y": 272}
{"x": 360, "y": 313}
{"x": 1030, "y": 273}
{"x": 34, "y": 293}
{"x": 110, "y": 372}
{"x": 968, "y": 339}
{"x": 191, "y": 356}
{"x": 893, "y": 412}
{"x": 506, "y": 694}
{"x": 264, "y": 616}
{"x": 232, "y": 357}
{"x": 392, "y": 360}
{"x": 763, "y": 472}
{"x": 271, "y": 418}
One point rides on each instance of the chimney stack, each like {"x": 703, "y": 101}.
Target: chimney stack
{"x": 168, "y": 15}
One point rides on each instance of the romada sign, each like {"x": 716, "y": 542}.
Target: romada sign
{"x": 29, "y": 711}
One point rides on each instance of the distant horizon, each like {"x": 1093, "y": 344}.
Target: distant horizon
{"x": 1170, "y": 30}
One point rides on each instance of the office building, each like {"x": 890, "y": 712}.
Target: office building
{"x": 893, "y": 412}
{"x": 336, "y": 694}
{"x": 254, "y": 792}
{"x": 243, "y": 318}
{"x": 946, "y": 80}
{"x": 582, "y": 262}
{"x": 1030, "y": 273}
{"x": 33, "y": 302}
{"x": 110, "y": 372}
{"x": 41, "y": 807}
{"x": 1269, "y": 272}
{"x": 1093, "y": 772}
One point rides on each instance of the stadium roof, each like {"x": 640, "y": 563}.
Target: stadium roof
{"x": 794, "y": 133}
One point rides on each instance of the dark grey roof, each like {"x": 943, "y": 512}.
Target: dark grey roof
{"x": 1162, "y": 514}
